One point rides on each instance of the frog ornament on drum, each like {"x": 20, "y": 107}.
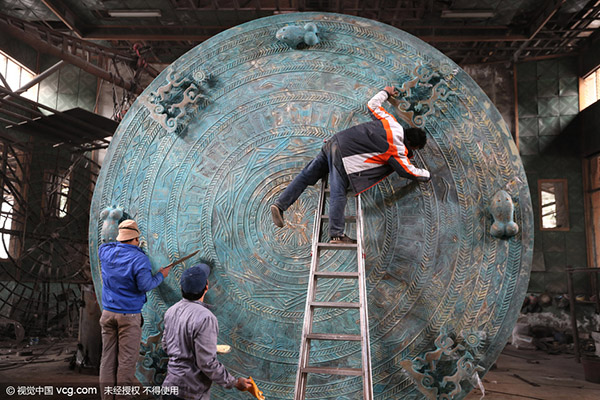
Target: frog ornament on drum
{"x": 294, "y": 35}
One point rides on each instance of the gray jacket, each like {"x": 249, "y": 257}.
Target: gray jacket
{"x": 190, "y": 341}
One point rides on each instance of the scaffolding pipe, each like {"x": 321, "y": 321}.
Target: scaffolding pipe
{"x": 40, "y": 77}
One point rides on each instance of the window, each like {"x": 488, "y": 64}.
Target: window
{"x": 17, "y": 75}
{"x": 11, "y": 212}
{"x": 6, "y": 225}
{"x": 56, "y": 193}
{"x": 592, "y": 208}
{"x": 554, "y": 207}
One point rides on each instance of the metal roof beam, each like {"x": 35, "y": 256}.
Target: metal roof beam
{"x": 539, "y": 23}
{"x": 65, "y": 14}
{"x": 499, "y": 38}
{"x": 66, "y": 49}
{"x": 134, "y": 35}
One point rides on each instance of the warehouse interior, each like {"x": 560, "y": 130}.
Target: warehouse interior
{"x": 70, "y": 70}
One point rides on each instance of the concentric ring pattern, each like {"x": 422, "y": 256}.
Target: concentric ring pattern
{"x": 220, "y": 133}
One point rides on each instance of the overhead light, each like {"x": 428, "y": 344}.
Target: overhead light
{"x": 134, "y": 13}
{"x": 467, "y": 14}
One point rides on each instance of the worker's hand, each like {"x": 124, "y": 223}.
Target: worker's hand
{"x": 243, "y": 384}
{"x": 165, "y": 271}
{"x": 424, "y": 179}
{"x": 391, "y": 91}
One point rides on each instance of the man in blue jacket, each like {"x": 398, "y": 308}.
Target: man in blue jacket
{"x": 358, "y": 158}
{"x": 126, "y": 277}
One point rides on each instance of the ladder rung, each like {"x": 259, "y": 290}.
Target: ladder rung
{"x": 336, "y": 246}
{"x": 333, "y": 336}
{"x": 331, "y": 304}
{"x": 349, "y": 218}
{"x": 333, "y": 274}
{"x": 332, "y": 371}
{"x": 350, "y": 194}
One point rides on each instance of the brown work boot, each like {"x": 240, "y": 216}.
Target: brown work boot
{"x": 277, "y": 216}
{"x": 342, "y": 240}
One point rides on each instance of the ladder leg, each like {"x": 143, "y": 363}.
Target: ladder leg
{"x": 364, "y": 310}
{"x": 301, "y": 376}
{"x": 307, "y": 335}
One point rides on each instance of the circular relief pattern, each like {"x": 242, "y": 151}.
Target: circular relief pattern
{"x": 219, "y": 134}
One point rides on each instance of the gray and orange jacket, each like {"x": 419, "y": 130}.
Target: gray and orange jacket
{"x": 373, "y": 150}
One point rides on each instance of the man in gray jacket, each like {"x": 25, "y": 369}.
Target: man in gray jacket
{"x": 190, "y": 341}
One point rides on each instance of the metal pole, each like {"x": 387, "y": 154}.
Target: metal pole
{"x": 40, "y": 45}
{"x": 572, "y": 312}
{"x": 595, "y": 283}
{"x": 6, "y": 85}
{"x": 39, "y": 78}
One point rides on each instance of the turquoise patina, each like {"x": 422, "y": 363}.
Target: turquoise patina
{"x": 209, "y": 145}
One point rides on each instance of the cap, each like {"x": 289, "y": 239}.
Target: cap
{"x": 193, "y": 280}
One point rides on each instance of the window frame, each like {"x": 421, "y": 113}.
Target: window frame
{"x": 564, "y": 181}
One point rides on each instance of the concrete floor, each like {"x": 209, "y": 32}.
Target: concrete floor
{"x": 519, "y": 374}
{"x": 47, "y": 365}
{"x": 535, "y": 375}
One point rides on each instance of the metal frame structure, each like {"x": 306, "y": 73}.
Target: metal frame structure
{"x": 46, "y": 256}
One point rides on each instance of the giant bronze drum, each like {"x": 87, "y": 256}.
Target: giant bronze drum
{"x": 217, "y": 136}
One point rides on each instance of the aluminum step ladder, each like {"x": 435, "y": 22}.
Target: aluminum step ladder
{"x": 308, "y": 335}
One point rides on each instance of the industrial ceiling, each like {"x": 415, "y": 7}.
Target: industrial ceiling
{"x": 96, "y": 35}
{"x": 469, "y": 32}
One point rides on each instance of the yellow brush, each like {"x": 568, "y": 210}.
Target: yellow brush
{"x": 254, "y": 391}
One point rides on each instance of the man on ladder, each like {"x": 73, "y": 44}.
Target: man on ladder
{"x": 357, "y": 157}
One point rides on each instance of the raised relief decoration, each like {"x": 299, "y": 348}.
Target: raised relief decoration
{"x": 296, "y": 35}
{"x": 110, "y": 225}
{"x": 173, "y": 104}
{"x": 502, "y": 209}
{"x": 417, "y": 97}
{"x": 439, "y": 373}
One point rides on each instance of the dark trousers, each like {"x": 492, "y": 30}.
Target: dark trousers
{"x": 318, "y": 168}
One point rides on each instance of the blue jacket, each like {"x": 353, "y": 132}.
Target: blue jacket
{"x": 126, "y": 277}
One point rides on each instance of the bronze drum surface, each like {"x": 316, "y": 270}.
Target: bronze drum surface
{"x": 210, "y": 144}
